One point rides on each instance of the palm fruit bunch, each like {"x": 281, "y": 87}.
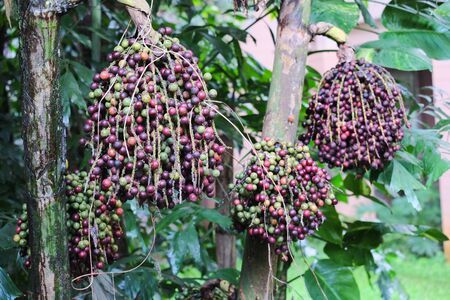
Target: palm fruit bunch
{"x": 278, "y": 195}
{"x": 21, "y": 237}
{"x": 93, "y": 222}
{"x": 356, "y": 117}
{"x": 93, "y": 226}
{"x": 151, "y": 124}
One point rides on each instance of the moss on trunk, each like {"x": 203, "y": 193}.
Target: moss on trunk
{"x": 44, "y": 156}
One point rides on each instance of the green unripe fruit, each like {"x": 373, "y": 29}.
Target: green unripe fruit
{"x": 117, "y": 86}
{"x": 201, "y": 129}
{"x": 167, "y": 44}
{"x": 137, "y": 46}
{"x": 207, "y": 76}
{"x": 124, "y": 43}
{"x": 16, "y": 238}
{"x": 212, "y": 93}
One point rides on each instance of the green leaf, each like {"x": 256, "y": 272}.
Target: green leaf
{"x": 358, "y": 186}
{"x": 173, "y": 215}
{"x": 410, "y": 158}
{"x": 365, "y": 235}
{"x": 431, "y": 233}
{"x": 410, "y": 15}
{"x": 405, "y": 59}
{"x": 348, "y": 255}
{"x": 219, "y": 45}
{"x": 83, "y": 73}
{"x": 214, "y": 216}
{"x": 340, "y": 13}
{"x": 366, "y": 14}
{"x": 434, "y": 44}
{"x": 185, "y": 244}
{"x": 230, "y": 275}
{"x": 397, "y": 178}
{"x": 6, "y": 234}
{"x": 331, "y": 281}
{"x": 70, "y": 93}
{"x": 434, "y": 165}
{"x": 331, "y": 229}
{"x": 8, "y": 290}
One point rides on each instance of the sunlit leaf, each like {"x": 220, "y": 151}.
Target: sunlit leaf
{"x": 328, "y": 280}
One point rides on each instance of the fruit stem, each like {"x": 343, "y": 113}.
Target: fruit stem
{"x": 345, "y": 53}
{"x": 328, "y": 30}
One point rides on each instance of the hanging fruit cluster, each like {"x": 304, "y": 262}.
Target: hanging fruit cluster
{"x": 21, "y": 236}
{"x": 356, "y": 117}
{"x": 150, "y": 124}
{"x": 151, "y": 134}
{"x": 93, "y": 222}
{"x": 93, "y": 226}
{"x": 279, "y": 194}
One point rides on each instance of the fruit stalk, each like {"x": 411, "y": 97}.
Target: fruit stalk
{"x": 44, "y": 145}
{"x": 280, "y": 122}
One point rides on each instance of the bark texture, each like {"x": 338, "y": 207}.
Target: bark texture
{"x": 280, "y": 122}
{"x": 225, "y": 242}
{"x": 44, "y": 146}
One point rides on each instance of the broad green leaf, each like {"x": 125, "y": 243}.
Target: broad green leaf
{"x": 400, "y": 58}
{"x": 410, "y": 158}
{"x": 365, "y": 235}
{"x": 83, "y": 73}
{"x": 397, "y": 178}
{"x": 173, "y": 215}
{"x": 348, "y": 255}
{"x": 340, "y": 13}
{"x": 331, "y": 229}
{"x": 8, "y": 290}
{"x": 331, "y": 281}
{"x": 214, "y": 216}
{"x": 185, "y": 244}
{"x": 434, "y": 44}
{"x": 411, "y": 15}
{"x": 434, "y": 165}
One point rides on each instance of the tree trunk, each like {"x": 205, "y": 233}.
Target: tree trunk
{"x": 44, "y": 147}
{"x": 280, "y": 122}
{"x": 225, "y": 242}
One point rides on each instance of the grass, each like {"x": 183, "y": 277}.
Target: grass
{"x": 421, "y": 278}
{"x": 424, "y": 278}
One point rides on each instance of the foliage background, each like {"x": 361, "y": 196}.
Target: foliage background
{"x": 345, "y": 252}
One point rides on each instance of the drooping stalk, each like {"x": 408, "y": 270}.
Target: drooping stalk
{"x": 44, "y": 145}
{"x": 280, "y": 122}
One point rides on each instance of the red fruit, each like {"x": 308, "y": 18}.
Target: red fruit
{"x": 106, "y": 184}
{"x": 104, "y": 75}
{"x": 119, "y": 211}
{"x": 131, "y": 141}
